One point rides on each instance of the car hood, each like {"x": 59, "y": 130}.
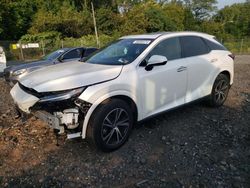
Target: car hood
{"x": 69, "y": 75}
{"x": 28, "y": 65}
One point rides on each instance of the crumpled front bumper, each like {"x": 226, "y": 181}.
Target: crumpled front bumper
{"x": 22, "y": 99}
{"x": 51, "y": 120}
{"x": 29, "y": 104}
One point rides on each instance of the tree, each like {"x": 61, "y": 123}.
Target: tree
{"x": 108, "y": 21}
{"x": 134, "y": 21}
{"x": 15, "y": 18}
{"x": 66, "y": 20}
{"x": 158, "y": 18}
{"x": 235, "y": 19}
{"x": 202, "y": 9}
{"x": 175, "y": 12}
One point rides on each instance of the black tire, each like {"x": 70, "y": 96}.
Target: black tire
{"x": 220, "y": 91}
{"x": 111, "y": 121}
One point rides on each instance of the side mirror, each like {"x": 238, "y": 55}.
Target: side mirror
{"x": 156, "y": 60}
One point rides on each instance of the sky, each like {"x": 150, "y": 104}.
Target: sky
{"x": 223, "y": 3}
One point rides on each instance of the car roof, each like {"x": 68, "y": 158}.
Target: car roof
{"x": 158, "y": 34}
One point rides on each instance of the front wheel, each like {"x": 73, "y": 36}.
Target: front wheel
{"x": 110, "y": 125}
{"x": 220, "y": 91}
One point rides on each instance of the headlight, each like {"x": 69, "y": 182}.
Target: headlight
{"x": 62, "y": 95}
{"x": 19, "y": 72}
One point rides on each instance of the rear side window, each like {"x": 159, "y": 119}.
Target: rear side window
{"x": 193, "y": 46}
{"x": 214, "y": 46}
{"x": 89, "y": 51}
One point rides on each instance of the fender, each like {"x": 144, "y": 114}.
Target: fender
{"x": 217, "y": 74}
{"x": 99, "y": 101}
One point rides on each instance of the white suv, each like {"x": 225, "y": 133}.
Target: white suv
{"x": 133, "y": 78}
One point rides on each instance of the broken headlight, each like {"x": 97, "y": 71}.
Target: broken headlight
{"x": 62, "y": 95}
{"x": 19, "y": 72}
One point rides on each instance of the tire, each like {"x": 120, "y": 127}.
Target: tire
{"x": 220, "y": 91}
{"x": 110, "y": 125}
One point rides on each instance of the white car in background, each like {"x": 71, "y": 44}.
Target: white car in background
{"x": 2, "y": 59}
{"x": 134, "y": 78}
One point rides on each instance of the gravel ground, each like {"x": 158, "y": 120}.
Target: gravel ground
{"x": 193, "y": 146}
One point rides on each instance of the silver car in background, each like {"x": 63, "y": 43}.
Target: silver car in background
{"x": 13, "y": 73}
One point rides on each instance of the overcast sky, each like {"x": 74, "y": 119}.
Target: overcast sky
{"x": 222, "y": 3}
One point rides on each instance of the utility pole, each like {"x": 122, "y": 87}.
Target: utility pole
{"x": 43, "y": 48}
{"x": 96, "y": 34}
{"x": 241, "y": 46}
{"x": 21, "y": 50}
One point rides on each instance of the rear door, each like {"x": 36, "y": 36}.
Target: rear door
{"x": 200, "y": 66}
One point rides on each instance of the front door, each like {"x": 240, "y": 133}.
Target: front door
{"x": 163, "y": 87}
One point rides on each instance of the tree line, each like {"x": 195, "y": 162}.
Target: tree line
{"x": 73, "y": 18}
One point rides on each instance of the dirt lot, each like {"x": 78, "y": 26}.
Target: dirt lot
{"x": 194, "y": 146}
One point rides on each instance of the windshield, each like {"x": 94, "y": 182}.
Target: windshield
{"x": 54, "y": 54}
{"x": 120, "y": 52}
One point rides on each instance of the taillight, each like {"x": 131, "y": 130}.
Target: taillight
{"x": 232, "y": 56}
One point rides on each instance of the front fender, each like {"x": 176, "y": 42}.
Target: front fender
{"x": 98, "y": 102}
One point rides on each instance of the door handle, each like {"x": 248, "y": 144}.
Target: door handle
{"x": 182, "y": 68}
{"x": 213, "y": 60}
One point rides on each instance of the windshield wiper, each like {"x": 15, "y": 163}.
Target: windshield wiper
{"x": 123, "y": 61}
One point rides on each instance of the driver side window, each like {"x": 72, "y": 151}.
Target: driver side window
{"x": 170, "y": 48}
{"x": 76, "y": 53}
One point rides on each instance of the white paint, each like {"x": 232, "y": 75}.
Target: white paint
{"x": 153, "y": 91}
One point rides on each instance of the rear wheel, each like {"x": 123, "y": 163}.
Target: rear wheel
{"x": 220, "y": 91}
{"x": 110, "y": 125}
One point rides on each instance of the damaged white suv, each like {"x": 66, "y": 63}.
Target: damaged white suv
{"x": 131, "y": 79}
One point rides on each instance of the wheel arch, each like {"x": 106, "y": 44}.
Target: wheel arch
{"x": 227, "y": 73}
{"x": 125, "y": 96}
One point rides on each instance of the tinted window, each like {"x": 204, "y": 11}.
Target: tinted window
{"x": 54, "y": 54}
{"x": 170, "y": 48}
{"x": 193, "y": 46}
{"x": 76, "y": 53}
{"x": 214, "y": 46}
{"x": 89, "y": 51}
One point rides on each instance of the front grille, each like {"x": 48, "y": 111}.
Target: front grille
{"x": 57, "y": 106}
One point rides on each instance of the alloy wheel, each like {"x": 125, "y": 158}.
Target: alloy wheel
{"x": 221, "y": 91}
{"x": 115, "y": 126}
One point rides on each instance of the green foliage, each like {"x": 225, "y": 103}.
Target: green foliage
{"x": 15, "y": 18}
{"x": 176, "y": 14}
{"x": 66, "y": 21}
{"x": 108, "y": 21}
{"x": 157, "y": 18}
{"x": 134, "y": 21}
{"x": 213, "y": 28}
{"x": 235, "y": 19}
{"x": 201, "y": 9}
{"x": 53, "y": 35}
{"x": 53, "y": 20}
